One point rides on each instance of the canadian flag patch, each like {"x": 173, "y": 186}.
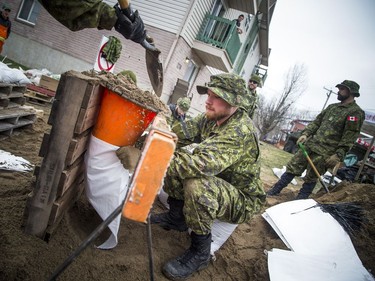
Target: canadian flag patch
{"x": 352, "y": 118}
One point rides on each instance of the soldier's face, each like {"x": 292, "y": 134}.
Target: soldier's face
{"x": 218, "y": 109}
{"x": 343, "y": 93}
{"x": 252, "y": 84}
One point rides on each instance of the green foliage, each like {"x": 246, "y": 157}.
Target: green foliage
{"x": 13, "y": 64}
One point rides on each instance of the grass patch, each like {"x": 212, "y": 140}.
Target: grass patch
{"x": 13, "y": 64}
{"x": 273, "y": 157}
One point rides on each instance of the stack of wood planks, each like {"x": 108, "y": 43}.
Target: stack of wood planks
{"x": 13, "y": 114}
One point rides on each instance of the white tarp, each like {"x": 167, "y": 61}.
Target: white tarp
{"x": 321, "y": 249}
{"x": 106, "y": 183}
{"x": 11, "y": 162}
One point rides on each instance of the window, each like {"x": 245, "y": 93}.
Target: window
{"x": 29, "y": 11}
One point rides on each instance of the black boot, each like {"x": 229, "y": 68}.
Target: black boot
{"x": 174, "y": 218}
{"x": 285, "y": 179}
{"x": 306, "y": 190}
{"x": 197, "y": 257}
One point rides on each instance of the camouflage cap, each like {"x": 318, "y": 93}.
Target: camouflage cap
{"x": 6, "y": 7}
{"x": 183, "y": 104}
{"x": 351, "y": 85}
{"x": 230, "y": 87}
{"x": 256, "y": 78}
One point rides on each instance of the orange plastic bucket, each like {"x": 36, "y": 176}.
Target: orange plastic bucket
{"x": 120, "y": 121}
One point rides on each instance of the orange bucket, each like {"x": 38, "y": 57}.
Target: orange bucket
{"x": 120, "y": 121}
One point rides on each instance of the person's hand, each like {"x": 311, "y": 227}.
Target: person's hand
{"x": 133, "y": 28}
{"x": 128, "y": 156}
{"x": 302, "y": 139}
{"x": 332, "y": 161}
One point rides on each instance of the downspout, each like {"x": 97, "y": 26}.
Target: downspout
{"x": 174, "y": 44}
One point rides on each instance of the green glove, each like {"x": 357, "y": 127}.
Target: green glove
{"x": 112, "y": 50}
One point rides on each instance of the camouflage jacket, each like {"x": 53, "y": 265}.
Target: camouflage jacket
{"x": 229, "y": 151}
{"x": 77, "y": 15}
{"x": 174, "y": 119}
{"x": 251, "y": 103}
{"x": 335, "y": 129}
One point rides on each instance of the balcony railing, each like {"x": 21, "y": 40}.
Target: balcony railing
{"x": 220, "y": 33}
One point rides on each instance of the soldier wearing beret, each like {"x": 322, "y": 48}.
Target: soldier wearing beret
{"x": 327, "y": 139}
{"x": 218, "y": 179}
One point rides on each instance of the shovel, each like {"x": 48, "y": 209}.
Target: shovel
{"x": 313, "y": 166}
{"x": 153, "y": 60}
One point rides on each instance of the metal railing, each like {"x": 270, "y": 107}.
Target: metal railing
{"x": 220, "y": 33}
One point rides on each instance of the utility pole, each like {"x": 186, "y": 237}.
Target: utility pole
{"x": 328, "y": 96}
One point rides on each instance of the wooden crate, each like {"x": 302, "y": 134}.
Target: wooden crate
{"x": 59, "y": 179}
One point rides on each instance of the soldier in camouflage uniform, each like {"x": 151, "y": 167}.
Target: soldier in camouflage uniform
{"x": 78, "y": 15}
{"x": 327, "y": 139}
{"x": 218, "y": 179}
{"x": 179, "y": 111}
{"x": 251, "y": 101}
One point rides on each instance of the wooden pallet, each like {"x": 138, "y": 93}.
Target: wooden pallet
{"x": 59, "y": 179}
{"x": 39, "y": 97}
{"x": 15, "y": 99}
{"x": 13, "y": 118}
{"x": 8, "y": 89}
{"x": 41, "y": 90}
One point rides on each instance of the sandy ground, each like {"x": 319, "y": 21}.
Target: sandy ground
{"x": 242, "y": 257}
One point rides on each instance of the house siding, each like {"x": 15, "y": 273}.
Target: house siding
{"x": 193, "y": 22}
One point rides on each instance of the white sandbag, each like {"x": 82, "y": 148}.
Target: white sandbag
{"x": 278, "y": 173}
{"x": 106, "y": 183}
{"x": 12, "y": 75}
{"x": 220, "y": 230}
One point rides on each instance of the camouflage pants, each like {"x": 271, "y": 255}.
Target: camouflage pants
{"x": 207, "y": 199}
{"x": 299, "y": 163}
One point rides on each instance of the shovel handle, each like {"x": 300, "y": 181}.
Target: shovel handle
{"x": 313, "y": 166}
{"x": 124, "y": 4}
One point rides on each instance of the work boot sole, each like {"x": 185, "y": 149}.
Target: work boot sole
{"x": 174, "y": 277}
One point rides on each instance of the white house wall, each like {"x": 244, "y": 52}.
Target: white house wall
{"x": 168, "y": 15}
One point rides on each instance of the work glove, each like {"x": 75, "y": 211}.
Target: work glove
{"x": 133, "y": 28}
{"x": 112, "y": 50}
{"x": 302, "y": 139}
{"x": 129, "y": 156}
{"x": 332, "y": 161}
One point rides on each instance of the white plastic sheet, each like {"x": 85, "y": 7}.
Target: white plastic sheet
{"x": 322, "y": 250}
{"x": 107, "y": 183}
{"x": 11, "y": 162}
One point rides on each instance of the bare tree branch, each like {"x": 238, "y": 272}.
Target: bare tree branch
{"x": 271, "y": 113}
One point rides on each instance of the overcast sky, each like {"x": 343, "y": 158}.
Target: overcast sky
{"x": 335, "y": 39}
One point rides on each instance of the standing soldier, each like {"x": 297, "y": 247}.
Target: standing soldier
{"x": 252, "y": 98}
{"x": 327, "y": 139}
{"x": 179, "y": 111}
{"x": 5, "y": 25}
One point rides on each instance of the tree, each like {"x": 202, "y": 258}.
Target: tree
{"x": 271, "y": 114}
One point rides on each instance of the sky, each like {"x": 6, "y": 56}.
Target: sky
{"x": 334, "y": 39}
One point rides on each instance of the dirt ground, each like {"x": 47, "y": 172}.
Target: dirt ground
{"x": 242, "y": 257}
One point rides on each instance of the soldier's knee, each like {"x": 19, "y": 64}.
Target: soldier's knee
{"x": 191, "y": 187}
